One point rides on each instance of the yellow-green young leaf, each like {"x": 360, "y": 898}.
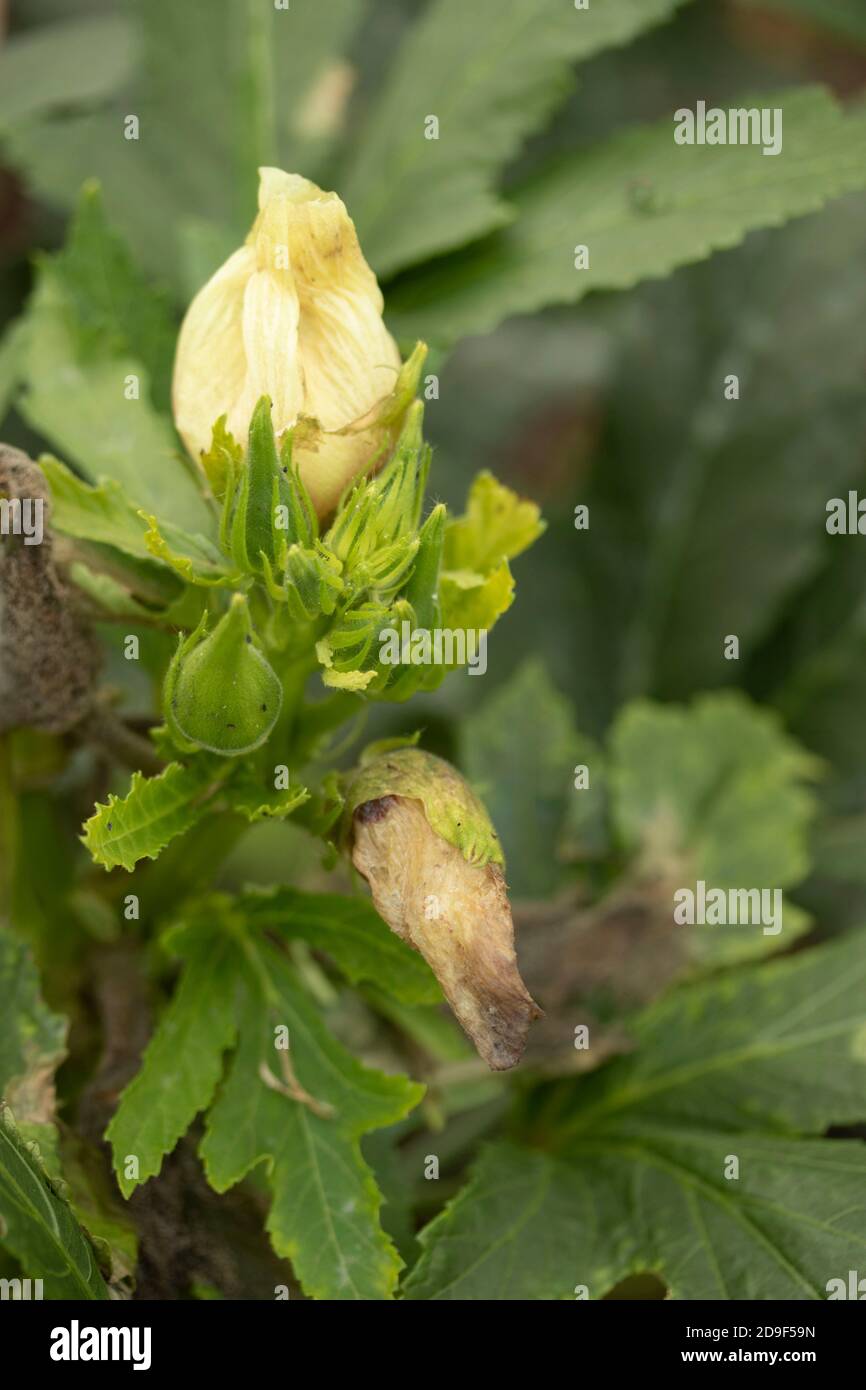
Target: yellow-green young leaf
{"x": 351, "y": 931}
{"x": 37, "y": 1225}
{"x": 32, "y": 1045}
{"x": 248, "y": 795}
{"x": 683, "y": 1157}
{"x": 300, "y": 1110}
{"x": 496, "y": 526}
{"x": 472, "y": 601}
{"x": 642, "y": 205}
{"x": 154, "y": 810}
{"x": 489, "y": 73}
{"x": 183, "y": 1061}
{"x": 192, "y": 557}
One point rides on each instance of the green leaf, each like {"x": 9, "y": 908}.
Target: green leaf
{"x": 32, "y": 1045}
{"x": 102, "y": 514}
{"x": 413, "y": 196}
{"x": 194, "y": 558}
{"x": 55, "y": 66}
{"x": 78, "y": 401}
{"x": 268, "y": 90}
{"x": 246, "y": 794}
{"x": 716, "y": 792}
{"x": 153, "y": 812}
{"x": 95, "y": 1201}
{"x": 641, "y": 602}
{"x": 699, "y": 199}
{"x": 634, "y": 1173}
{"x": 351, "y": 932}
{"x": 717, "y": 788}
{"x": 531, "y": 1226}
{"x": 525, "y": 783}
{"x": 37, "y": 1225}
{"x": 324, "y": 1214}
{"x": 116, "y": 311}
{"x": 11, "y": 352}
{"x": 183, "y": 1062}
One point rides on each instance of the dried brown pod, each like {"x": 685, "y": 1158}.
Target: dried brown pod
{"x": 48, "y": 659}
{"x": 425, "y": 845}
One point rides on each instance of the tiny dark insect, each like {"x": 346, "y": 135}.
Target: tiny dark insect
{"x": 230, "y": 726}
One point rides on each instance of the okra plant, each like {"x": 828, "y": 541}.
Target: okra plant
{"x": 234, "y": 608}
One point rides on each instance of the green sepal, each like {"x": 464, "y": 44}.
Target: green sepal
{"x": 422, "y": 590}
{"x": 270, "y": 508}
{"x": 386, "y": 569}
{"x": 450, "y": 805}
{"x": 344, "y": 651}
{"x": 352, "y": 537}
{"x": 313, "y": 583}
{"x": 399, "y": 488}
{"x": 221, "y": 694}
{"x": 302, "y": 522}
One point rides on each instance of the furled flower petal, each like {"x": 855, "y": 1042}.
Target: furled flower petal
{"x": 295, "y": 314}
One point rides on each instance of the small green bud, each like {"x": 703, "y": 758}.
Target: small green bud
{"x": 221, "y": 694}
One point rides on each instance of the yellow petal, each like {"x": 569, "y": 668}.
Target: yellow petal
{"x": 295, "y": 314}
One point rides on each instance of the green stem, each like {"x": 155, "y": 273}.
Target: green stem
{"x": 316, "y": 720}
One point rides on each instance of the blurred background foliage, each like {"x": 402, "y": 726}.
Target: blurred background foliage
{"x": 707, "y": 516}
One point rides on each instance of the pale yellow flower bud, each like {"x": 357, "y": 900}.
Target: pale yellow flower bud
{"x": 296, "y": 315}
